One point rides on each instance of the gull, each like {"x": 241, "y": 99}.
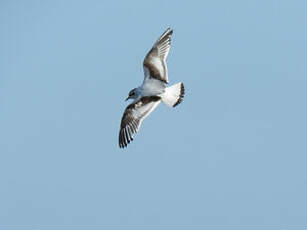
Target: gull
{"x": 152, "y": 92}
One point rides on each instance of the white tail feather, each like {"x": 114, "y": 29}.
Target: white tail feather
{"x": 173, "y": 95}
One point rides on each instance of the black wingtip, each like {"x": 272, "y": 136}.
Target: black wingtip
{"x": 124, "y": 138}
{"x": 169, "y": 31}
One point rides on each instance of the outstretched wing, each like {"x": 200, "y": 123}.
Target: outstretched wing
{"x": 133, "y": 116}
{"x": 154, "y": 63}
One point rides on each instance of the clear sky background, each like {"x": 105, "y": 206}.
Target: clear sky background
{"x": 233, "y": 155}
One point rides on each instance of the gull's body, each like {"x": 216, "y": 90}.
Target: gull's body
{"x": 152, "y": 91}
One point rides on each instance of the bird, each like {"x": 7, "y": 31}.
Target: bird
{"x": 152, "y": 92}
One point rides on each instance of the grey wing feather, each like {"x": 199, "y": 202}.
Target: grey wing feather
{"x": 133, "y": 116}
{"x": 155, "y": 61}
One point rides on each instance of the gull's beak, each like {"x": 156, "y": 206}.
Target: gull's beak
{"x": 127, "y": 98}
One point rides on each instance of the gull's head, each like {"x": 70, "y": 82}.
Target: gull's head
{"x": 133, "y": 94}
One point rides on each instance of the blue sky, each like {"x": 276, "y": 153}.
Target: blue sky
{"x": 231, "y": 156}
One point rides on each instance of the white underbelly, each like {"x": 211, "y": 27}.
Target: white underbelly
{"x": 152, "y": 87}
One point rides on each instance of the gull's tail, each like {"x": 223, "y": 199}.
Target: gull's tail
{"x": 173, "y": 95}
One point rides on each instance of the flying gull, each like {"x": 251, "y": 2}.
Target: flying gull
{"x": 152, "y": 91}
